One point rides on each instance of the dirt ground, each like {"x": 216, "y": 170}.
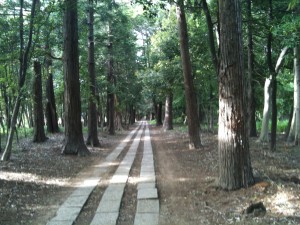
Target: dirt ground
{"x": 38, "y": 179}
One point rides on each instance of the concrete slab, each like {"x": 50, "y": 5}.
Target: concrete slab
{"x": 67, "y": 214}
{"x": 145, "y": 179}
{"x": 146, "y": 185}
{"x": 113, "y": 193}
{"x": 109, "y": 206}
{"x": 119, "y": 179}
{"x": 146, "y": 219}
{"x": 148, "y": 206}
{"x": 149, "y": 173}
{"x": 75, "y": 201}
{"x": 82, "y": 191}
{"x": 147, "y": 193}
{"x": 66, "y": 222}
{"x": 105, "y": 219}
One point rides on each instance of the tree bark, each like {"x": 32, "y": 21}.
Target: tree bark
{"x": 110, "y": 94}
{"x": 51, "y": 113}
{"x": 39, "y": 132}
{"x": 234, "y": 158}
{"x": 190, "y": 93}
{"x": 211, "y": 37}
{"x": 168, "y": 121}
{"x": 74, "y": 142}
{"x": 264, "y": 134}
{"x": 159, "y": 114}
{"x": 297, "y": 94}
{"x": 24, "y": 58}
{"x": 92, "y": 138}
{"x": 251, "y": 103}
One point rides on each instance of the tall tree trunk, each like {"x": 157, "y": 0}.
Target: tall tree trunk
{"x": 51, "y": 113}
{"x": 24, "y": 58}
{"x": 74, "y": 142}
{"x": 168, "y": 121}
{"x": 159, "y": 114}
{"x": 273, "y": 82}
{"x": 250, "y": 95}
{"x": 297, "y": 94}
{"x": 190, "y": 93}
{"x": 110, "y": 94}
{"x": 234, "y": 158}
{"x": 39, "y": 132}
{"x": 211, "y": 37}
{"x": 264, "y": 134}
{"x": 92, "y": 138}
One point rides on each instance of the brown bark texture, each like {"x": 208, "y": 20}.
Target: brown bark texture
{"x": 250, "y": 91}
{"x": 74, "y": 142}
{"x": 92, "y": 138}
{"x": 190, "y": 94}
{"x": 168, "y": 121}
{"x": 38, "y": 112}
{"x": 234, "y": 158}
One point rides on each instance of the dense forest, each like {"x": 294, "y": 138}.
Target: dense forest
{"x": 84, "y": 66}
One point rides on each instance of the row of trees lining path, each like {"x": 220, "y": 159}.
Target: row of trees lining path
{"x": 116, "y": 67}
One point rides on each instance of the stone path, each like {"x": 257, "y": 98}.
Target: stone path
{"x": 107, "y": 213}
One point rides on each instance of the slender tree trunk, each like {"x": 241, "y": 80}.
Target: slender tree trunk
{"x": 74, "y": 142}
{"x": 234, "y": 158}
{"x": 297, "y": 90}
{"x": 273, "y": 82}
{"x": 92, "y": 138}
{"x": 159, "y": 114}
{"x": 264, "y": 134}
{"x": 190, "y": 93}
{"x": 24, "y": 58}
{"x": 168, "y": 121}
{"x": 39, "y": 132}
{"x": 250, "y": 95}
{"x": 211, "y": 37}
{"x": 110, "y": 95}
{"x": 51, "y": 113}
{"x": 211, "y": 108}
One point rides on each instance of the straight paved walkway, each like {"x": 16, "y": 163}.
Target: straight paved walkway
{"x": 70, "y": 209}
{"x": 107, "y": 213}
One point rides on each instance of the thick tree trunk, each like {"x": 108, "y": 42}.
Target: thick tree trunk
{"x": 168, "y": 121}
{"x": 234, "y": 158}
{"x": 92, "y": 138}
{"x": 74, "y": 142}
{"x": 190, "y": 93}
{"x": 250, "y": 95}
{"x": 24, "y": 58}
{"x": 110, "y": 93}
{"x": 38, "y": 112}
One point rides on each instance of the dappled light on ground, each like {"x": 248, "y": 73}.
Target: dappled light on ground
{"x": 29, "y": 177}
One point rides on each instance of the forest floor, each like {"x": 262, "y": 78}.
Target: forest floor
{"x": 36, "y": 181}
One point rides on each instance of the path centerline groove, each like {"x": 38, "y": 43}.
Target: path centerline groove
{"x": 70, "y": 209}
